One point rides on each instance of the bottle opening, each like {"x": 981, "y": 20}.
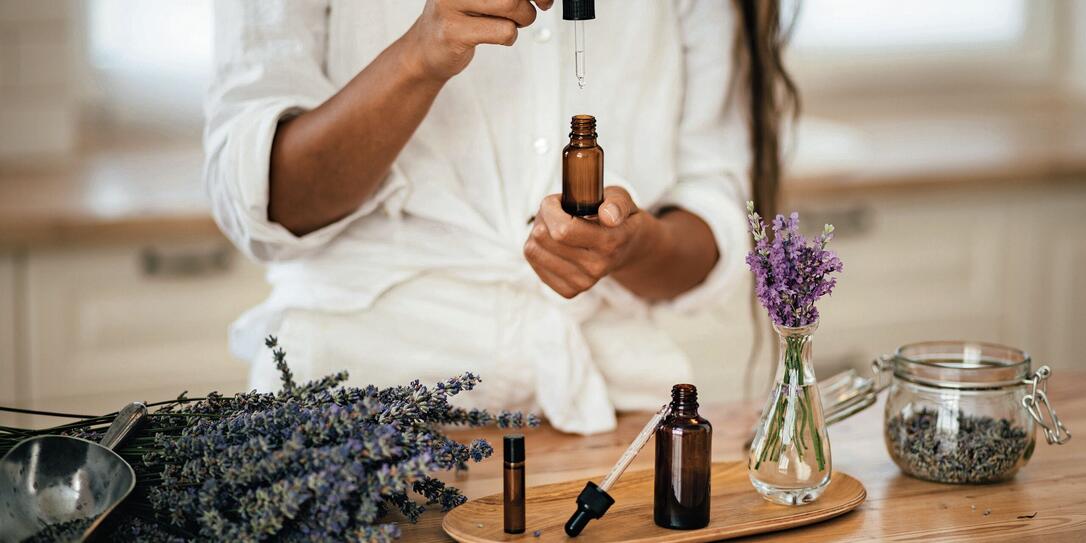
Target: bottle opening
{"x": 583, "y": 125}
{"x": 684, "y": 396}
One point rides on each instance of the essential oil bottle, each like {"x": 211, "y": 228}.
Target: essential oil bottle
{"x": 683, "y": 464}
{"x": 582, "y": 169}
{"x": 513, "y": 479}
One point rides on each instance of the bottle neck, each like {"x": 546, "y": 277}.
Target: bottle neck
{"x": 582, "y": 131}
{"x": 794, "y": 365}
{"x": 684, "y": 400}
{"x": 582, "y": 141}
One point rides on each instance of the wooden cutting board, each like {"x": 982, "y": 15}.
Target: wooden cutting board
{"x": 737, "y": 510}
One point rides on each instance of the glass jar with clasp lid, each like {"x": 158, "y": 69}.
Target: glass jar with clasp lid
{"x": 956, "y": 411}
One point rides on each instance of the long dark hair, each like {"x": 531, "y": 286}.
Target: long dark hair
{"x": 771, "y": 92}
{"x": 772, "y": 96}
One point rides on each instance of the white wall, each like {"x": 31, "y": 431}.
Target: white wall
{"x": 38, "y": 105}
{"x": 1076, "y": 76}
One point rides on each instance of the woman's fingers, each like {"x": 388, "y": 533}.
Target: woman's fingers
{"x": 576, "y": 232}
{"x": 571, "y": 254}
{"x": 617, "y": 205}
{"x": 566, "y": 229}
{"x": 589, "y": 262}
{"x": 521, "y": 12}
{"x": 561, "y": 275}
{"x": 494, "y": 30}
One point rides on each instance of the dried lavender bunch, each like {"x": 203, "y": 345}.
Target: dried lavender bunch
{"x": 316, "y": 461}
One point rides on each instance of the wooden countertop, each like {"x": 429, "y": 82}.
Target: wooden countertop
{"x": 1045, "y": 501}
{"x": 152, "y": 193}
{"x": 135, "y": 192}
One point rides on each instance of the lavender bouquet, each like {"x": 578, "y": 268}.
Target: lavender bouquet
{"x": 790, "y": 275}
{"x": 314, "y": 462}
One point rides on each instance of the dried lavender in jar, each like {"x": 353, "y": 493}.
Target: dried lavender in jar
{"x": 982, "y": 449}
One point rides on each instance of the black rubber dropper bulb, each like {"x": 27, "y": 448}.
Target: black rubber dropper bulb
{"x": 578, "y": 10}
{"x": 591, "y": 504}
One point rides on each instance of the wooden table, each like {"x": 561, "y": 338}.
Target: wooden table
{"x": 1045, "y": 501}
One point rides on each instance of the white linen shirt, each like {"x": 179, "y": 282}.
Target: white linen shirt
{"x": 457, "y": 200}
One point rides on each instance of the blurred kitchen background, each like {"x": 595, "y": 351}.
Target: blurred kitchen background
{"x": 946, "y": 140}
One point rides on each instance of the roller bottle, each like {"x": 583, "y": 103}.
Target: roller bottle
{"x": 513, "y": 479}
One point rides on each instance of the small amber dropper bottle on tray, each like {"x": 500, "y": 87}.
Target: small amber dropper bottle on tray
{"x": 582, "y": 169}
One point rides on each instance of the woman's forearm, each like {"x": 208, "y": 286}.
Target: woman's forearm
{"x": 676, "y": 252}
{"x": 327, "y": 161}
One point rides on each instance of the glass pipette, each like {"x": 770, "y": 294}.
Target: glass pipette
{"x": 578, "y": 51}
{"x": 634, "y": 448}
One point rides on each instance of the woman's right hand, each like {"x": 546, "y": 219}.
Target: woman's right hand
{"x": 444, "y": 37}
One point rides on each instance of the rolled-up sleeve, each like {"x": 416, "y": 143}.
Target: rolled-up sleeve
{"x": 713, "y": 151}
{"x": 269, "y": 65}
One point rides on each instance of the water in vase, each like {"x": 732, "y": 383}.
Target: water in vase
{"x": 790, "y": 457}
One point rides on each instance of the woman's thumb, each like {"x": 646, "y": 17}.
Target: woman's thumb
{"x": 617, "y": 205}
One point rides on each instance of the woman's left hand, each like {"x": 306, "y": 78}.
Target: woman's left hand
{"x": 571, "y": 254}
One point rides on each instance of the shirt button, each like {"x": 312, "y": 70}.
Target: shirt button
{"x": 542, "y": 146}
{"x": 543, "y": 35}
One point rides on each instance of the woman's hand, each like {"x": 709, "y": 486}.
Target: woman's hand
{"x": 326, "y": 161}
{"x": 571, "y": 254}
{"x": 445, "y": 35}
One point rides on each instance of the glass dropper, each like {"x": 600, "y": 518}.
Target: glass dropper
{"x": 634, "y": 448}
{"x": 578, "y": 51}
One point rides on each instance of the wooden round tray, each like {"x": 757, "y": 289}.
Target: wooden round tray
{"x": 737, "y": 510}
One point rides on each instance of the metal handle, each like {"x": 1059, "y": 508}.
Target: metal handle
{"x": 848, "y": 393}
{"x": 185, "y": 263}
{"x": 126, "y": 421}
{"x": 852, "y": 221}
{"x": 1055, "y": 432}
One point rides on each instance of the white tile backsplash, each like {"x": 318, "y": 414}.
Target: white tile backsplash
{"x": 38, "y": 102}
{"x": 41, "y": 130}
{"x": 8, "y": 61}
{"x": 43, "y": 63}
{"x": 34, "y": 10}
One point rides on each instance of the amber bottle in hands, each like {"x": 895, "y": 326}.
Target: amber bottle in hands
{"x": 582, "y": 169}
{"x": 683, "y": 464}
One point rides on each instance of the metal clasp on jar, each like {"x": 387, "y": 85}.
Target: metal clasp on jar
{"x": 848, "y": 392}
{"x": 1055, "y": 432}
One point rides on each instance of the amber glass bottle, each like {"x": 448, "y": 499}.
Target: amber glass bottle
{"x": 683, "y": 462}
{"x": 582, "y": 169}
{"x": 513, "y": 477}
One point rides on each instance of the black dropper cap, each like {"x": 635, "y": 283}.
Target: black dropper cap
{"x": 578, "y": 10}
{"x": 591, "y": 504}
{"x": 513, "y": 447}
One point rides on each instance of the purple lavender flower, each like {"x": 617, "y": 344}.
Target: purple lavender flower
{"x": 790, "y": 273}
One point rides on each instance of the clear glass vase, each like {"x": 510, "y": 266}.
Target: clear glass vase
{"x": 790, "y": 456}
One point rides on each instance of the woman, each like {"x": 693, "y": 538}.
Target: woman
{"x": 395, "y": 164}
